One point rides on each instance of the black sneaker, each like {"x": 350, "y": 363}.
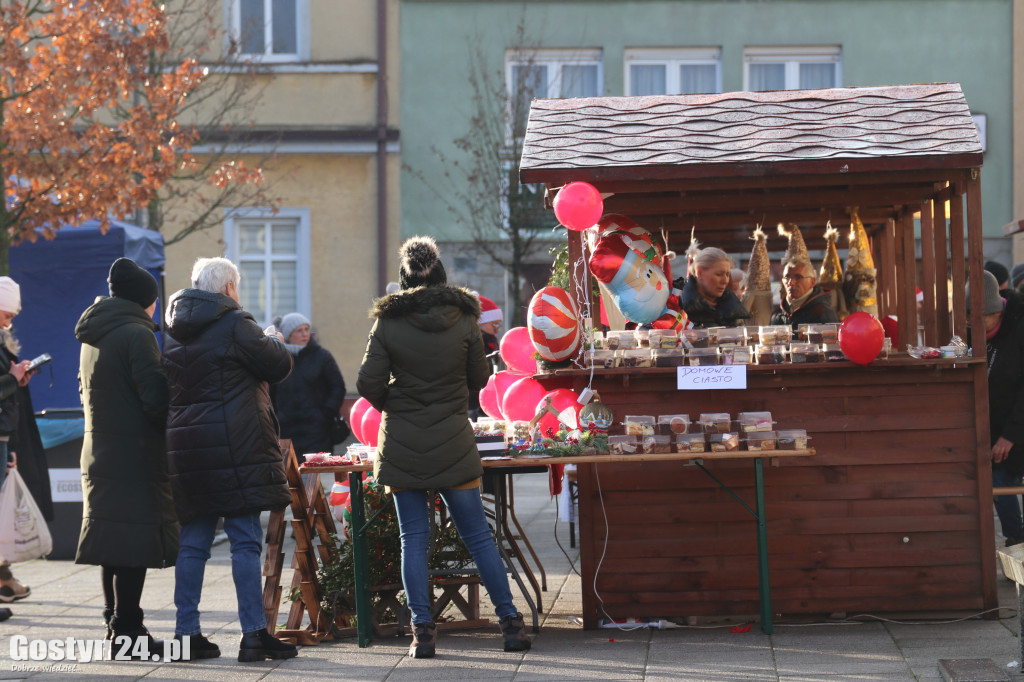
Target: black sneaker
{"x": 198, "y": 647}
{"x": 261, "y": 645}
{"x": 5, "y": 614}
{"x": 10, "y": 594}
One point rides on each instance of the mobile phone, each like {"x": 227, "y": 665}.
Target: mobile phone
{"x": 38, "y": 362}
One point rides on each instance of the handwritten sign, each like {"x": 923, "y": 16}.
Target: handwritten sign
{"x": 711, "y": 377}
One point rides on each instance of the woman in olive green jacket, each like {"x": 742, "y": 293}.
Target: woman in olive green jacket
{"x": 424, "y": 355}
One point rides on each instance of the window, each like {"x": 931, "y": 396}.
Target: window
{"x": 544, "y": 73}
{"x": 673, "y": 71}
{"x": 271, "y": 30}
{"x": 790, "y": 68}
{"x": 272, "y": 254}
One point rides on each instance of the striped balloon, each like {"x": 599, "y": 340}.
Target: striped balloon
{"x": 554, "y": 324}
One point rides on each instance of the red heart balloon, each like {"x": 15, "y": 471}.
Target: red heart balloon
{"x": 861, "y": 336}
{"x": 489, "y": 402}
{"x": 355, "y": 418}
{"x": 517, "y": 350}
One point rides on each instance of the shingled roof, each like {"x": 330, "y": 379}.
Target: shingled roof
{"x": 749, "y": 133}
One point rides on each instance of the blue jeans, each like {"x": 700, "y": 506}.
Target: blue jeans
{"x": 246, "y": 537}
{"x": 467, "y": 510}
{"x": 1007, "y": 506}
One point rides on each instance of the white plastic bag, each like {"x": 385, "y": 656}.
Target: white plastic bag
{"x": 23, "y": 532}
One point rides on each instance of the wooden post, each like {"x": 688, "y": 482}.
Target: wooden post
{"x": 928, "y": 276}
{"x": 956, "y": 254}
{"x": 908, "y": 276}
{"x": 944, "y": 323}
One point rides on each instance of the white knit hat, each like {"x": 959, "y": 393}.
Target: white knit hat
{"x": 10, "y": 296}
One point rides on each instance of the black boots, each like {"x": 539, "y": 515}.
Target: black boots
{"x": 513, "y": 630}
{"x": 107, "y": 615}
{"x": 424, "y": 640}
{"x": 130, "y": 625}
{"x": 261, "y": 645}
{"x": 194, "y": 647}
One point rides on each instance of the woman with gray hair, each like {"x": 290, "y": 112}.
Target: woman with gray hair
{"x": 707, "y": 298}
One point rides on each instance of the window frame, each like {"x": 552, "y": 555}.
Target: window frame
{"x": 792, "y": 56}
{"x": 671, "y": 58}
{"x": 232, "y": 20}
{"x": 554, "y": 56}
{"x": 303, "y": 270}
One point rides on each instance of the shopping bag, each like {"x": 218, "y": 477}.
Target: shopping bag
{"x": 339, "y": 429}
{"x": 23, "y": 532}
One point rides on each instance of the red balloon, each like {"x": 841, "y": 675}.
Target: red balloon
{"x": 504, "y": 379}
{"x": 561, "y": 399}
{"x": 520, "y": 400}
{"x": 371, "y": 427}
{"x": 578, "y": 205}
{"x": 355, "y": 418}
{"x": 517, "y": 350}
{"x": 861, "y": 336}
{"x": 489, "y": 402}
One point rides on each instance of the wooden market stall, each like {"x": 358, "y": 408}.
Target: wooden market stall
{"x": 894, "y": 513}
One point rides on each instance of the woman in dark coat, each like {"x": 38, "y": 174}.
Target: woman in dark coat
{"x": 707, "y": 298}
{"x": 307, "y": 401}
{"x": 14, "y": 401}
{"x": 128, "y": 521}
{"x": 425, "y": 353}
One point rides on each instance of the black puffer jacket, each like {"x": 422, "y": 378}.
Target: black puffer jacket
{"x": 222, "y": 434}
{"x": 1005, "y": 353}
{"x": 728, "y": 312}
{"x": 817, "y": 308}
{"x": 309, "y": 399}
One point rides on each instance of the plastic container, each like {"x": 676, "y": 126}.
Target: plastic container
{"x": 619, "y": 339}
{"x": 804, "y": 352}
{"x": 887, "y": 348}
{"x": 639, "y": 425}
{"x": 755, "y": 421}
{"x": 642, "y": 337}
{"x": 696, "y": 357}
{"x": 667, "y": 357}
{"x": 723, "y": 442}
{"x": 715, "y": 422}
{"x": 753, "y": 334}
{"x": 634, "y": 357}
{"x": 598, "y": 339}
{"x": 771, "y": 355}
{"x": 691, "y": 442}
{"x": 773, "y": 335}
{"x": 604, "y": 358}
{"x": 663, "y": 338}
{"x": 791, "y": 439}
{"x": 517, "y": 435}
{"x": 623, "y": 445}
{"x": 673, "y": 424}
{"x": 832, "y": 352}
{"x": 819, "y": 333}
{"x": 731, "y": 336}
{"x": 761, "y": 440}
{"x": 695, "y": 338}
{"x": 736, "y": 355}
{"x": 657, "y": 445}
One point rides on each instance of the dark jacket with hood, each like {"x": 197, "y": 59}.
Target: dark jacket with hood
{"x": 128, "y": 518}
{"x": 222, "y": 434}
{"x": 728, "y": 312}
{"x": 1005, "y": 352}
{"x": 425, "y": 353}
{"x": 309, "y": 399}
{"x": 816, "y": 309}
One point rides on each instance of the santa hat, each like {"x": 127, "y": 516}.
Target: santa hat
{"x": 10, "y": 296}
{"x": 489, "y": 311}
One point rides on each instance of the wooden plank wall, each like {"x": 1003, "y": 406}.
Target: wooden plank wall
{"x": 885, "y": 518}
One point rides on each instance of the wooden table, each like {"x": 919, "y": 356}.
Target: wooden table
{"x": 359, "y": 521}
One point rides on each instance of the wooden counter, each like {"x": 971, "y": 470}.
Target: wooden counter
{"x": 894, "y": 514}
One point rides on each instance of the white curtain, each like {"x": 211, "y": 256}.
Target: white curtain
{"x": 694, "y": 78}
{"x": 767, "y": 77}
{"x": 647, "y": 79}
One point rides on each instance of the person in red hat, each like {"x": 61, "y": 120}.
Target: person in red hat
{"x": 490, "y": 326}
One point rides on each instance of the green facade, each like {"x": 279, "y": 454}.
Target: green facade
{"x": 882, "y": 42}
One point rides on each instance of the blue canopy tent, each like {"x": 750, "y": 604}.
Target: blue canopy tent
{"x": 61, "y": 278}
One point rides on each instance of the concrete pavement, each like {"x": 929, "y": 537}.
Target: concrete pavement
{"x": 67, "y": 601}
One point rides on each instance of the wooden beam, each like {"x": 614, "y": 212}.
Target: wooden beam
{"x": 880, "y": 179}
{"x": 928, "y": 276}
{"x": 907, "y": 270}
{"x": 956, "y": 251}
{"x": 944, "y": 323}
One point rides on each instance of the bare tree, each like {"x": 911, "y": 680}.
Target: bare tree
{"x": 213, "y": 183}
{"x": 481, "y": 189}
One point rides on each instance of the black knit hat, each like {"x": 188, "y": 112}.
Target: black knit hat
{"x": 128, "y": 281}
{"x": 999, "y": 270}
{"x": 420, "y": 264}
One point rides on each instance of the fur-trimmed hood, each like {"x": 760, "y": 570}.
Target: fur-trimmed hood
{"x": 432, "y": 308}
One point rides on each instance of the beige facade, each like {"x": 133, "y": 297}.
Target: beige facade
{"x": 319, "y": 112}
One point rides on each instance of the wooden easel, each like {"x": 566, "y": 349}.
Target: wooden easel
{"x": 311, "y": 516}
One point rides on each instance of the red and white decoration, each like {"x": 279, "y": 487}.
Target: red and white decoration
{"x": 554, "y": 323}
